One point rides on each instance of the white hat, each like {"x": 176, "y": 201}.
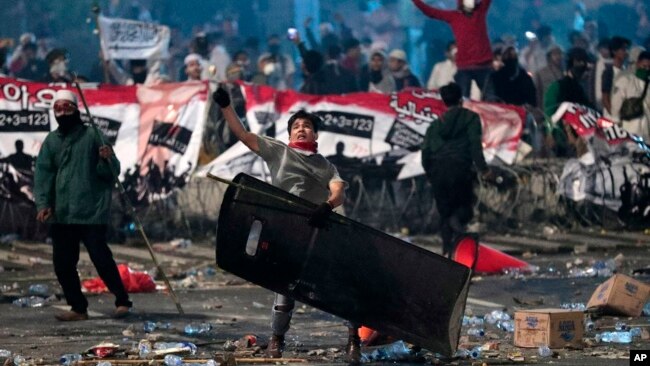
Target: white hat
{"x": 397, "y": 54}
{"x": 192, "y": 57}
{"x": 65, "y": 95}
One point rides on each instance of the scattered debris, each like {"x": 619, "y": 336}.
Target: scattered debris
{"x": 103, "y": 350}
{"x": 529, "y": 302}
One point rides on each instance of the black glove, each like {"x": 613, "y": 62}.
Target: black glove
{"x": 320, "y": 214}
{"x": 221, "y": 97}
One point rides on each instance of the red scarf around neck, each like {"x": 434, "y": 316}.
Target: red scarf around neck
{"x": 304, "y": 145}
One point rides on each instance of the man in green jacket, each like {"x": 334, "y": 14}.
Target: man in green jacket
{"x": 72, "y": 189}
{"x": 452, "y": 152}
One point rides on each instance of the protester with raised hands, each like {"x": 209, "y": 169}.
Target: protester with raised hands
{"x": 297, "y": 168}
{"x": 469, "y": 25}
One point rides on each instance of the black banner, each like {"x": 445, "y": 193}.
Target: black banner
{"x": 403, "y": 136}
{"x": 24, "y": 121}
{"x": 352, "y": 124}
{"x": 171, "y": 136}
{"x": 109, "y": 127}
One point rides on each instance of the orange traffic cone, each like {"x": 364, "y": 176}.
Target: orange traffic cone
{"x": 366, "y": 334}
{"x": 371, "y": 337}
{"x": 489, "y": 260}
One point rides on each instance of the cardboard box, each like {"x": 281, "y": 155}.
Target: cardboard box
{"x": 620, "y": 295}
{"x": 555, "y": 328}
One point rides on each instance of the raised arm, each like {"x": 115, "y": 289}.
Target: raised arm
{"x": 431, "y": 12}
{"x": 222, "y": 98}
{"x": 485, "y": 6}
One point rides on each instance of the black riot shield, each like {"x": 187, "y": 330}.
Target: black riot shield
{"x": 347, "y": 269}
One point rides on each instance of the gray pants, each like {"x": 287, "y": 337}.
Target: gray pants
{"x": 282, "y": 312}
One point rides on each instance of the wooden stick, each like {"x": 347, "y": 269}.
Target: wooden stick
{"x": 270, "y": 360}
{"x": 238, "y": 360}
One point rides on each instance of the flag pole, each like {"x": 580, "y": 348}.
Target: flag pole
{"x": 96, "y": 10}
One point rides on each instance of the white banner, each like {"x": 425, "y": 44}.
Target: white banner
{"x": 130, "y": 39}
{"x": 156, "y": 133}
{"x": 364, "y": 125}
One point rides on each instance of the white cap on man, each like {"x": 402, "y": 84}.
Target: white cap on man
{"x": 397, "y": 54}
{"x": 192, "y": 57}
{"x": 65, "y": 95}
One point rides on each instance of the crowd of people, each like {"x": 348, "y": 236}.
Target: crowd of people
{"x": 607, "y": 74}
{"x": 595, "y": 71}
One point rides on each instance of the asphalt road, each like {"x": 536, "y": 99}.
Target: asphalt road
{"x": 236, "y": 308}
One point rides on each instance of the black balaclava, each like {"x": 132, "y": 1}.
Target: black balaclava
{"x": 68, "y": 121}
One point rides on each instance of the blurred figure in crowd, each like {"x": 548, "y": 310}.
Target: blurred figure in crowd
{"x": 193, "y": 67}
{"x": 443, "y": 72}
{"x": 511, "y": 84}
{"x": 57, "y": 61}
{"x": 550, "y": 73}
{"x": 400, "y": 70}
{"x": 619, "y": 52}
{"x": 632, "y": 85}
{"x": 375, "y": 76}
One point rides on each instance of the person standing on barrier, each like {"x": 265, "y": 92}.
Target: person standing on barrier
{"x": 451, "y": 154}
{"x": 469, "y": 24}
{"x": 72, "y": 189}
{"x": 298, "y": 169}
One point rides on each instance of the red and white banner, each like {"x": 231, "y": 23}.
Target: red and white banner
{"x": 162, "y": 125}
{"x": 616, "y": 159}
{"x": 367, "y": 124}
{"x": 587, "y": 122}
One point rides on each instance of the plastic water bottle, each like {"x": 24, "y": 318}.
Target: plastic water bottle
{"x": 605, "y": 268}
{"x": 194, "y": 329}
{"x": 476, "y": 332}
{"x": 208, "y": 363}
{"x": 394, "y": 351}
{"x": 615, "y": 337}
{"x": 635, "y": 332}
{"x": 19, "y": 360}
{"x": 506, "y": 326}
{"x": 544, "y": 351}
{"x": 474, "y": 320}
{"x": 149, "y": 326}
{"x": 70, "y": 358}
{"x": 590, "y": 325}
{"x": 465, "y": 320}
{"x": 495, "y": 316}
{"x": 173, "y": 360}
{"x": 168, "y": 345}
{"x": 624, "y": 337}
{"x": 475, "y": 353}
{"x": 38, "y": 289}
{"x": 462, "y": 353}
{"x": 574, "y": 306}
{"x": 5, "y": 353}
{"x": 144, "y": 348}
{"x": 29, "y": 302}
{"x": 620, "y": 326}
{"x": 646, "y": 309}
